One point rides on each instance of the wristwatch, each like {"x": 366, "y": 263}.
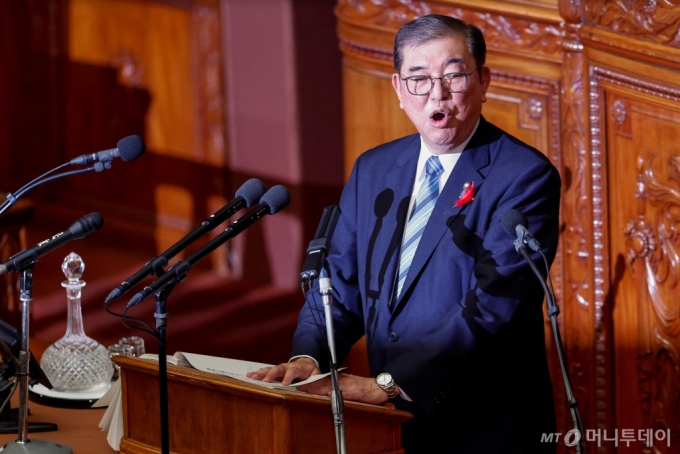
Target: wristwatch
{"x": 387, "y": 384}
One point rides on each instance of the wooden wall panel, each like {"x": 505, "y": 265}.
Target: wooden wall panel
{"x": 527, "y": 107}
{"x": 30, "y": 100}
{"x": 371, "y": 109}
{"x": 78, "y": 75}
{"x": 152, "y": 68}
{"x": 642, "y": 130}
{"x": 509, "y": 109}
{"x": 150, "y": 46}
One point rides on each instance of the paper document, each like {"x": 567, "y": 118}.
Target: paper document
{"x": 112, "y": 421}
{"x": 177, "y": 359}
{"x": 233, "y": 368}
{"x": 110, "y": 395}
{"x": 237, "y": 369}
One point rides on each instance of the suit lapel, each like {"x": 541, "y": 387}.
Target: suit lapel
{"x": 467, "y": 169}
{"x": 385, "y": 255}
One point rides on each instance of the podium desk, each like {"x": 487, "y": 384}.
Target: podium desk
{"x": 209, "y": 414}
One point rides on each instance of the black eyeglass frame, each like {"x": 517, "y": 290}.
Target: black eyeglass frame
{"x": 441, "y": 80}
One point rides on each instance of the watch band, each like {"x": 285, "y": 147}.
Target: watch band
{"x": 392, "y": 392}
{"x": 390, "y": 387}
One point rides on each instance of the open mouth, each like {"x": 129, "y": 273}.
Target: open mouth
{"x": 439, "y": 118}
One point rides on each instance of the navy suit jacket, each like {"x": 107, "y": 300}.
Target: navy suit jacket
{"x": 465, "y": 339}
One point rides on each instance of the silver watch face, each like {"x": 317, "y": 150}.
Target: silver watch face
{"x": 384, "y": 379}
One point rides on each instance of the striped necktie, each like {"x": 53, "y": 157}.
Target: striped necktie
{"x": 422, "y": 208}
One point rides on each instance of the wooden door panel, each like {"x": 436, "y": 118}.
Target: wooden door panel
{"x": 644, "y": 215}
{"x": 520, "y": 112}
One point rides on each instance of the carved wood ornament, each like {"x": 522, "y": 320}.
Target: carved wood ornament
{"x": 652, "y": 20}
{"x": 502, "y": 32}
{"x": 583, "y": 312}
{"x": 599, "y": 264}
{"x": 659, "y": 386}
{"x": 207, "y": 74}
{"x": 657, "y": 243}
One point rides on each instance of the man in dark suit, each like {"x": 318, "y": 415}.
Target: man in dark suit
{"x": 421, "y": 264}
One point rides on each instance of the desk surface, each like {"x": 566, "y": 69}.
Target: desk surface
{"x": 77, "y": 428}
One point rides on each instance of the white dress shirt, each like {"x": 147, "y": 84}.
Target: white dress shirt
{"x": 448, "y": 161}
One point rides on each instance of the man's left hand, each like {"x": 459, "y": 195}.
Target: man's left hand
{"x": 353, "y": 387}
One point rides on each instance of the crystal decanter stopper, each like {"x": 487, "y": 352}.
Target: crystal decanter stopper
{"x": 75, "y": 362}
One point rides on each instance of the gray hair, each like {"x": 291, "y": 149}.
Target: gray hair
{"x": 437, "y": 26}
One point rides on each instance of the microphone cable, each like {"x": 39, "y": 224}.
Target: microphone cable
{"x": 145, "y": 327}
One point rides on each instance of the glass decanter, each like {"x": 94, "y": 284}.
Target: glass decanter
{"x": 75, "y": 362}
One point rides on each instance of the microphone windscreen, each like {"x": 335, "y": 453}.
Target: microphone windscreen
{"x": 92, "y": 221}
{"x": 86, "y": 225}
{"x": 130, "y": 147}
{"x": 251, "y": 191}
{"x": 277, "y": 198}
{"x": 511, "y": 219}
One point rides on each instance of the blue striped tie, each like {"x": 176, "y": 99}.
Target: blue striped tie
{"x": 422, "y": 208}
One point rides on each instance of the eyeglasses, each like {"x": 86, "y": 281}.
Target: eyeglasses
{"x": 423, "y": 85}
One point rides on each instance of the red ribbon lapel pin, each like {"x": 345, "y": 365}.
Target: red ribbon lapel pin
{"x": 467, "y": 195}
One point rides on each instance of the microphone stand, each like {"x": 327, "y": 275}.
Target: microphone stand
{"x": 553, "y": 312}
{"x": 9, "y": 368}
{"x": 14, "y": 198}
{"x": 161, "y": 295}
{"x": 169, "y": 279}
{"x": 161, "y": 316}
{"x": 23, "y": 444}
{"x": 326, "y": 290}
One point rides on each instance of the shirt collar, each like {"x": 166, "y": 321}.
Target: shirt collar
{"x": 447, "y": 159}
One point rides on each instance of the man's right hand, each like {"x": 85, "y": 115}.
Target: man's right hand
{"x": 298, "y": 369}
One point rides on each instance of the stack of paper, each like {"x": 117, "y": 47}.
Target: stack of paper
{"x": 113, "y": 417}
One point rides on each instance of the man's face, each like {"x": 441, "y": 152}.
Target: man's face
{"x": 443, "y": 119}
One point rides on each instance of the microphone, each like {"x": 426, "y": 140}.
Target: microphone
{"x": 515, "y": 223}
{"x": 127, "y": 148}
{"x": 28, "y": 257}
{"x": 251, "y": 191}
{"x": 318, "y": 248}
{"x": 274, "y": 200}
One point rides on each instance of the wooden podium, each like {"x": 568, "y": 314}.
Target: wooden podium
{"x": 214, "y": 414}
